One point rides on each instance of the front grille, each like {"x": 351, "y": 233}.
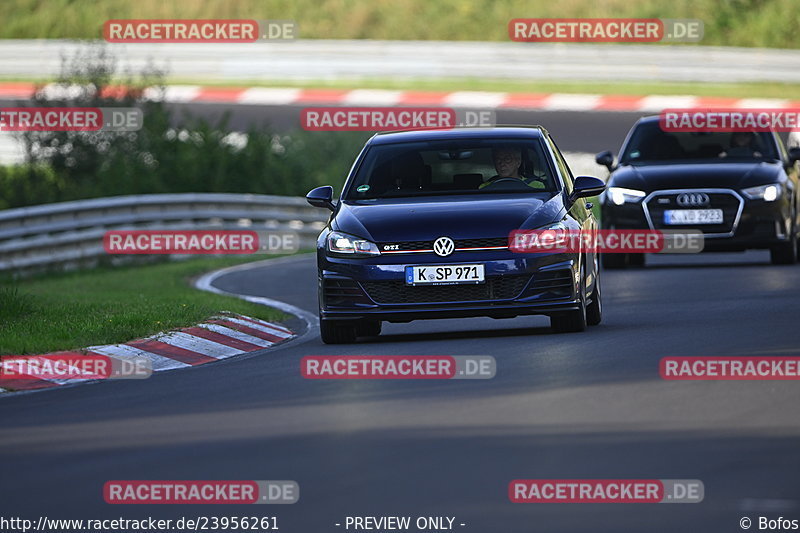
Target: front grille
{"x": 397, "y": 292}
{"x": 408, "y": 245}
{"x": 727, "y": 201}
{"x": 490, "y": 242}
{"x": 557, "y": 282}
{"x": 342, "y": 292}
{"x": 482, "y": 243}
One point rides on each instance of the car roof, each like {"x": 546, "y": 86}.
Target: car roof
{"x": 497, "y": 132}
{"x": 655, "y": 118}
{"x": 649, "y": 118}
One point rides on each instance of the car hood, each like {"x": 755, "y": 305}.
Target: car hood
{"x": 459, "y": 218}
{"x": 695, "y": 175}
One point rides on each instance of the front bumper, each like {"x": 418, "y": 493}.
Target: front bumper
{"x": 516, "y": 284}
{"x": 748, "y": 224}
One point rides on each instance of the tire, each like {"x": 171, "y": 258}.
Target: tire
{"x": 572, "y": 321}
{"x": 614, "y": 261}
{"x": 333, "y": 332}
{"x": 594, "y": 311}
{"x": 368, "y": 328}
{"x": 636, "y": 260}
{"x": 784, "y": 254}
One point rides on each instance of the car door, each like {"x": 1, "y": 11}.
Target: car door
{"x": 792, "y": 175}
{"x": 580, "y": 210}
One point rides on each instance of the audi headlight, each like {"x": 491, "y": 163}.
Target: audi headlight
{"x": 768, "y": 193}
{"x": 342, "y": 243}
{"x": 620, "y": 195}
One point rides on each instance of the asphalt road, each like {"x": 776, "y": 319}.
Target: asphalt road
{"x": 578, "y": 131}
{"x": 588, "y": 405}
{"x": 575, "y": 131}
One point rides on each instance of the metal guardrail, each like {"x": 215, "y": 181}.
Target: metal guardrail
{"x": 70, "y": 234}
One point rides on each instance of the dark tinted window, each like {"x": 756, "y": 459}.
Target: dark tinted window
{"x": 649, "y": 143}
{"x": 453, "y": 167}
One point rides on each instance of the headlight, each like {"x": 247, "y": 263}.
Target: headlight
{"x": 554, "y": 235}
{"x": 620, "y": 195}
{"x": 342, "y": 243}
{"x": 768, "y": 193}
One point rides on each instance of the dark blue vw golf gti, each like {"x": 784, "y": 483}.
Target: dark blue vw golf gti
{"x": 422, "y": 228}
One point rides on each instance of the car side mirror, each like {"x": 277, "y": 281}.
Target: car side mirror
{"x": 586, "y": 186}
{"x": 321, "y": 197}
{"x": 794, "y": 155}
{"x": 606, "y": 159}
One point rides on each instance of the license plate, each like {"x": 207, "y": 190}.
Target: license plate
{"x": 444, "y": 274}
{"x": 693, "y": 216}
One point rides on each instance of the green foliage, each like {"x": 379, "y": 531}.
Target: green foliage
{"x": 759, "y": 23}
{"x": 13, "y": 304}
{"x": 169, "y": 154}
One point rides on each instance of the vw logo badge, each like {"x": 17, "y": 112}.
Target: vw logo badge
{"x": 693, "y": 199}
{"x": 444, "y": 246}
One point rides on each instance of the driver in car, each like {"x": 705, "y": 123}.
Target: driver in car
{"x": 743, "y": 144}
{"x": 507, "y": 163}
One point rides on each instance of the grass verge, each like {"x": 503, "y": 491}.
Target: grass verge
{"x": 770, "y": 23}
{"x": 107, "y": 306}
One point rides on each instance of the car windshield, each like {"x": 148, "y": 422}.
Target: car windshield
{"x": 649, "y": 144}
{"x": 478, "y": 167}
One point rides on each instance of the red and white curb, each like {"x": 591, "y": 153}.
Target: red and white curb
{"x": 380, "y": 97}
{"x": 218, "y": 338}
